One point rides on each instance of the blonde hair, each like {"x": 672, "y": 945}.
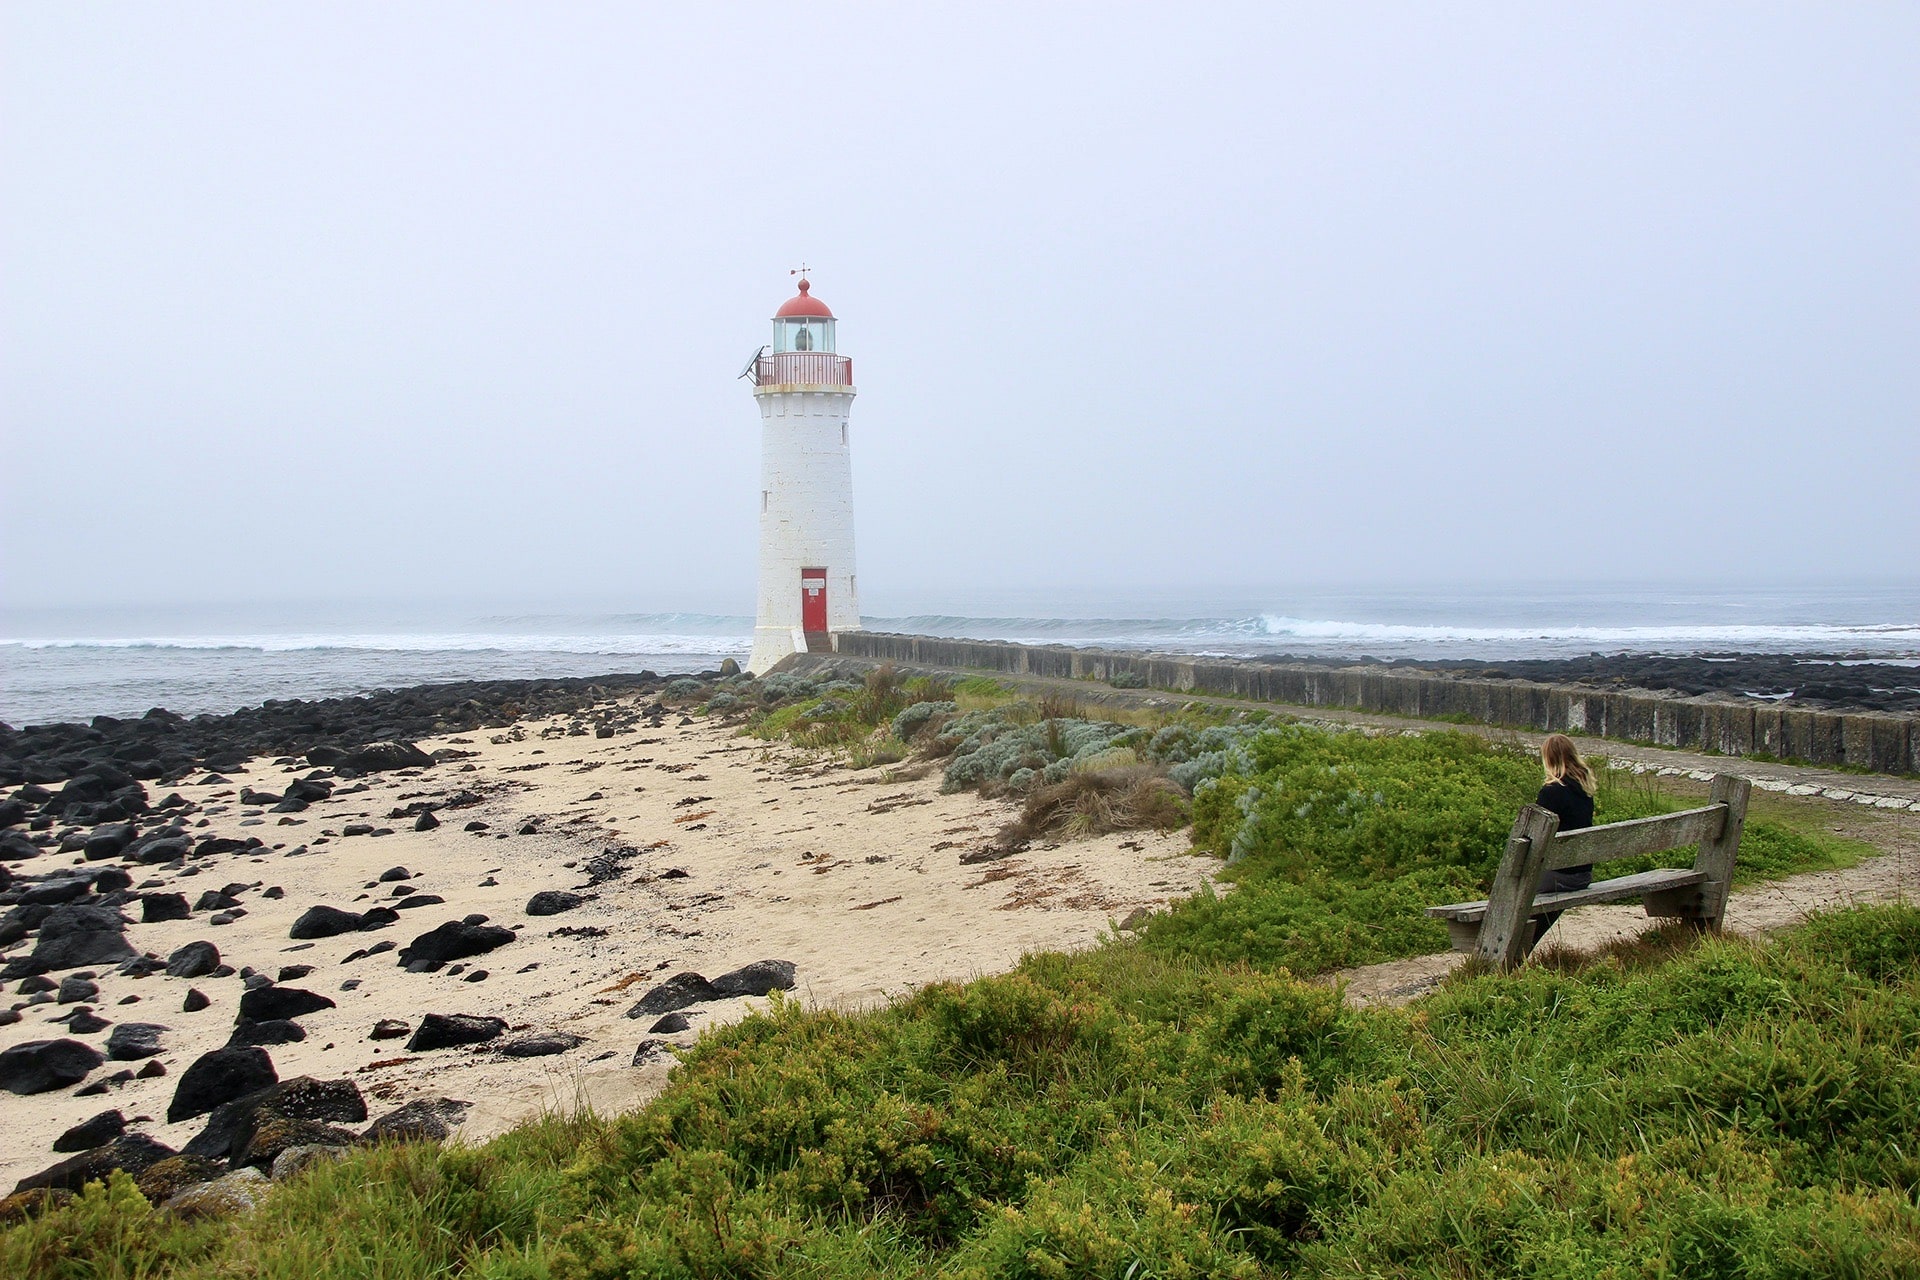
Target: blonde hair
{"x": 1563, "y": 763}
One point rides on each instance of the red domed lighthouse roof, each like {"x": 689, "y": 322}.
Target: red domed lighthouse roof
{"x": 803, "y": 304}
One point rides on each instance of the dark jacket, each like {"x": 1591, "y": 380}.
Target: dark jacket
{"x": 1575, "y": 808}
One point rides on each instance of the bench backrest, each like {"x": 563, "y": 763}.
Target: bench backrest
{"x": 1536, "y": 844}
{"x": 1638, "y": 836}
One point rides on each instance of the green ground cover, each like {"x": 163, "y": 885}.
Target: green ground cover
{"x": 1714, "y": 1108}
{"x": 1183, "y": 1104}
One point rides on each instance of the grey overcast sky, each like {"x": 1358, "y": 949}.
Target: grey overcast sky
{"x": 407, "y": 299}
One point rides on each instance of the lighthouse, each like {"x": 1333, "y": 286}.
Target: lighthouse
{"x": 804, "y": 388}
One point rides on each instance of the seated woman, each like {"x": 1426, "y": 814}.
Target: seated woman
{"x": 1569, "y": 793}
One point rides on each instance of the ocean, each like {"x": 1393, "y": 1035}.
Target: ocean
{"x": 73, "y": 664}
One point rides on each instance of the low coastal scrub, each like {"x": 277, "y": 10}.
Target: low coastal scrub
{"x": 1711, "y": 1108}
{"x": 1187, "y": 1102}
{"x": 1336, "y": 841}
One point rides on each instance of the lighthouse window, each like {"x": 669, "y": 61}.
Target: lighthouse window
{"x": 766, "y": 496}
{"x": 843, "y": 433}
{"x": 803, "y": 340}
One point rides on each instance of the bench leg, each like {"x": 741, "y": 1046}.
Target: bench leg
{"x": 1466, "y": 937}
{"x": 1682, "y": 904}
{"x": 1507, "y": 927}
{"x": 1717, "y": 855}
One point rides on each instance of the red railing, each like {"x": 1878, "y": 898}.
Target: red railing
{"x": 813, "y": 368}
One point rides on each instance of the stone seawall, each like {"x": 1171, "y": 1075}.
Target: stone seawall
{"x": 1868, "y": 740}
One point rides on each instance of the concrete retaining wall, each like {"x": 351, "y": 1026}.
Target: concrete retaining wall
{"x": 1871, "y": 740}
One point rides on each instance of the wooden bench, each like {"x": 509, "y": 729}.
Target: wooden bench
{"x": 1498, "y": 928}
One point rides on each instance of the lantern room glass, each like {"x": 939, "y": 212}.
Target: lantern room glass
{"x": 803, "y": 333}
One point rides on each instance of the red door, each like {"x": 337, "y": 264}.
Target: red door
{"x": 813, "y": 599}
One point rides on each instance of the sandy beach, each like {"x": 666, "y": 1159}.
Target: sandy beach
{"x": 740, "y": 851}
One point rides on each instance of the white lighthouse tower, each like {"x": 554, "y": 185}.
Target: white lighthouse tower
{"x": 805, "y": 392}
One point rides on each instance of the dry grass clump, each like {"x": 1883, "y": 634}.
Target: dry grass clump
{"x": 1093, "y": 801}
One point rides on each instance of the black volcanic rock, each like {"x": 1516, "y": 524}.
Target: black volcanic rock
{"x": 541, "y": 1044}
{"x": 454, "y": 940}
{"x": 38, "y": 1066}
{"x": 108, "y": 840}
{"x": 310, "y": 790}
{"x": 551, "y": 902}
{"x": 377, "y": 757}
{"x": 55, "y": 890}
{"x": 450, "y": 1030}
{"x": 133, "y": 1152}
{"x": 195, "y": 960}
{"x": 158, "y": 907}
{"x": 272, "y": 1003}
{"x": 75, "y": 988}
{"x": 217, "y": 1077}
{"x": 81, "y": 934}
{"x": 419, "y": 1121}
{"x": 231, "y": 1126}
{"x": 757, "y": 979}
{"x": 95, "y": 1132}
{"x": 324, "y": 922}
{"x": 271, "y": 1032}
{"x": 134, "y": 1040}
{"x": 677, "y": 992}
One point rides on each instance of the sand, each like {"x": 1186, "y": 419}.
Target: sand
{"x": 854, "y": 876}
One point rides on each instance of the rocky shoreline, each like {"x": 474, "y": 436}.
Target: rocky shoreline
{"x": 228, "y": 941}
{"x": 1828, "y": 682}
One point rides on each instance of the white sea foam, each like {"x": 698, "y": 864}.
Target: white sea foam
{"x": 405, "y": 642}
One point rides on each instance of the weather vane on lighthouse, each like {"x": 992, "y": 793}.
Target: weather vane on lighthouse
{"x": 804, "y": 387}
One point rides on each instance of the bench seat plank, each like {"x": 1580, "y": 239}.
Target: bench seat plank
{"x": 1614, "y": 890}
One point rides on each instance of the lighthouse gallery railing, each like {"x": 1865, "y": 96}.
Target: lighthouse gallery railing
{"x": 815, "y": 368}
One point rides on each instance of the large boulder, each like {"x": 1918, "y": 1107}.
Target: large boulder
{"x": 156, "y": 908}
{"x": 454, "y": 940}
{"x": 134, "y": 1040}
{"x": 133, "y": 1152}
{"x": 108, "y": 840}
{"x": 81, "y": 934}
{"x": 377, "y": 757}
{"x": 273, "y": 1134}
{"x": 167, "y": 1178}
{"x": 96, "y": 1131}
{"x": 38, "y": 1066}
{"x": 218, "y": 1076}
{"x": 757, "y": 979}
{"x": 56, "y": 889}
{"x": 230, "y": 1128}
{"x": 273, "y": 1031}
{"x": 233, "y": 1193}
{"x": 419, "y": 1121}
{"x": 309, "y": 789}
{"x": 324, "y": 922}
{"x": 195, "y": 960}
{"x": 541, "y": 1044}
{"x": 450, "y": 1030}
{"x": 270, "y": 1004}
{"x": 551, "y": 902}
{"x": 677, "y": 992}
